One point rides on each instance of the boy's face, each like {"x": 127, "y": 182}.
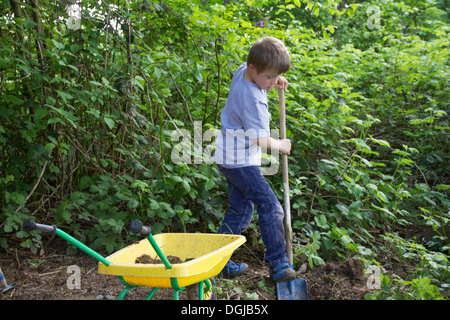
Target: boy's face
{"x": 265, "y": 80}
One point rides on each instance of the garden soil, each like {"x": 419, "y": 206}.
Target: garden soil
{"x": 48, "y": 277}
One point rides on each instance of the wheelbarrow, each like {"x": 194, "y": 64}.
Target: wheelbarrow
{"x": 207, "y": 255}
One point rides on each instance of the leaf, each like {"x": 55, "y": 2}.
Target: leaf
{"x": 405, "y": 162}
{"x": 383, "y": 143}
{"x": 169, "y": 212}
{"x": 321, "y": 221}
{"x": 49, "y": 147}
{"x": 85, "y": 183}
{"x": 132, "y": 204}
{"x": 210, "y": 184}
{"x": 384, "y": 210}
{"x": 346, "y": 177}
{"x": 330, "y": 162}
{"x": 29, "y": 24}
{"x": 18, "y": 198}
{"x": 154, "y": 204}
{"x": 186, "y": 186}
{"x": 198, "y": 75}
{"x": 65, "y": 96}
{"x": 331, "y": 28}
{"x": 140, "y": 82}
{"x": 157, "y": 72}
{"x": 177, "y": 178}
{"x": 349, "y": 12}
{"x": 96, "y": 83}
{"x": 11, "y": 99}
{"x": 110, "y": 122}
{"x": 343, "y": 208}
{"x": 40, "y": 114}
{"x": 382, "y": 196}
{"x": 58, "y": 45}
{"x": 316, "y": 11}
{"x": 245, "y": 24}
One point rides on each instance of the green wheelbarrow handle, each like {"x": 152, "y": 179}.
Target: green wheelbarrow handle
{"x": 137, "y": 227}
{"x": 30, "y": 225}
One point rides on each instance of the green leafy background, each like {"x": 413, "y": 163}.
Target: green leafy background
{"x": 88, "y": 117}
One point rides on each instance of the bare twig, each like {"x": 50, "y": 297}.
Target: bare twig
{"x": 35, "y": 185}
{"x": 157, "y": 166}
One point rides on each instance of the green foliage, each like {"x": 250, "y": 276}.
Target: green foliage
{"x": 88, "y": 117}
{"x": 417, "y": 289}
{"x": 428, "y": 272}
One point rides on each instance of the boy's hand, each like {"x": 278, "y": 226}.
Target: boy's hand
{"x": 282, "y": 83}
{"x": 285, "y": 146}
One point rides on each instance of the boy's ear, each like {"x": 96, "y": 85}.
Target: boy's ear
{"x": 252, "y": 68}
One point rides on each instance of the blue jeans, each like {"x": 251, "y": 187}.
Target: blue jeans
{"x": 248, "y": 187}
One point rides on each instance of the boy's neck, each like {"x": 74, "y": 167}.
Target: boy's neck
{"x": 247, "y": 75}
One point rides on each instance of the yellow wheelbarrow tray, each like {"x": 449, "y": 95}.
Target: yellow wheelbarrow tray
{"x": 209, "y": 254}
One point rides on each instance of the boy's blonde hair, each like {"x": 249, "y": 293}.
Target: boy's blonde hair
{"x": 269, "y": 53}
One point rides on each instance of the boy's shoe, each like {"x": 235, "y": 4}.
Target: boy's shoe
{"x": 232, "y": 269}
{"x": 282, "y": 273}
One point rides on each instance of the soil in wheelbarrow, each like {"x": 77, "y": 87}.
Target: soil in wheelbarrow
{"x": 146, "y": 259}
{"x": 49, "y": 275}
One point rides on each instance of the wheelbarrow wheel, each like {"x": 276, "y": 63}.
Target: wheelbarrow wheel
{"x": 208, "y": 294}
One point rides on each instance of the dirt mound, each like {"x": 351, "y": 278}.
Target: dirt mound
{"x": 337, "y": 281}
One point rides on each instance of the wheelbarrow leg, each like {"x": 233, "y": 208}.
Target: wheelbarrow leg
{"x": 201, "y": 288}
{"x": 176, "y": 293}
{"x": 176, "y": 288}
{"x": 124, "y": 292}
{"x": 151, "y": 294}
{"x": 126, "y": 289}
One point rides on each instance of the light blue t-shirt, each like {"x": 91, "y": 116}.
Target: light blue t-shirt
{"x": 244, "y": 117}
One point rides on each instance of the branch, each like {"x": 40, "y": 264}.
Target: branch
{"x": 18, "y": 15}
{"x": 35, "y": 185}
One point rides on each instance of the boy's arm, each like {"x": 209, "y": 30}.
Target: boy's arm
{"x": 282, "y": 145}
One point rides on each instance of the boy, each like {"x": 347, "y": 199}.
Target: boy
{"x": 245, "y": 129}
